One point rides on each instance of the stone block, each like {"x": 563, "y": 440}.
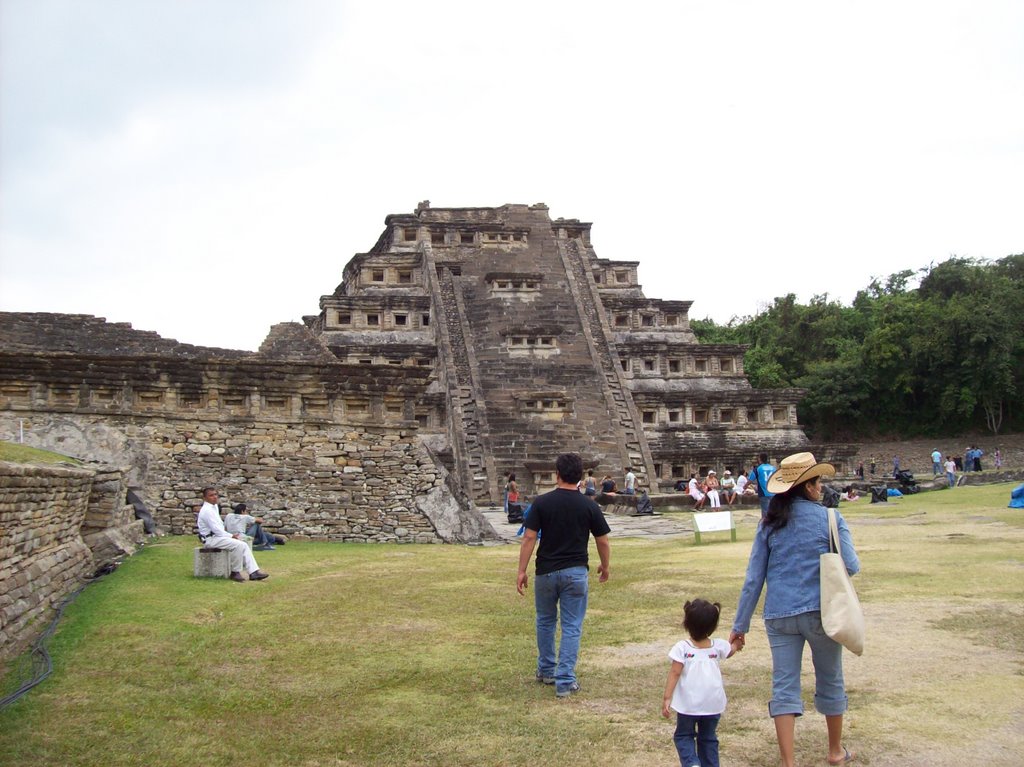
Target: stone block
{"x": 210, "y": 563}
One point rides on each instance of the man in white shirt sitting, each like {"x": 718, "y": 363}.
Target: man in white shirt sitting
{"x": 728, "y": 488}
{"x": 215, "y": 536}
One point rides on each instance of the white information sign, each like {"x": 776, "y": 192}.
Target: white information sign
{"x": 712, "y": 522}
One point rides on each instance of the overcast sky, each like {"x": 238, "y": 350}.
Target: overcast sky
{"x": 205, "y": 168}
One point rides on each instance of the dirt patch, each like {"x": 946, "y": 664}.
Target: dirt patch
{"x": 630, "y": 655}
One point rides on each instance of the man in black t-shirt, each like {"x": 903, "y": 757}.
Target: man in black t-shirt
{"x": 567, "y": 519}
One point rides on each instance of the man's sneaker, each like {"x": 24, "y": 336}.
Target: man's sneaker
{"x": 545, "y": 679}
{"x": 566, "y": 692}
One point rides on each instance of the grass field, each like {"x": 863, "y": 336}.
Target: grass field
{"x": 423, "y": 655}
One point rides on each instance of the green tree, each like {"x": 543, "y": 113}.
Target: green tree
{"x": 971, "y": 355}
{"x": 837, "y": 390}
{"x": 946, "y": 354}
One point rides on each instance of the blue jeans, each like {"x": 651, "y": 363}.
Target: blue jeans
{"x": 951, "y": 478}
{"x": 764, "y": 500}
{"x": 562, "y": 591}
{"x": 936, "y": 469}
{"x": 786, "y": 637}
{"x": 259, "y": 536}
{"x": 696, "y": 740}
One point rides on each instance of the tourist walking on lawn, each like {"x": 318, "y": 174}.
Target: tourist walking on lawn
{"x": 936, "y": 462}
{"x": 694, "y": 689}
{"x": 951, "y": 471}
{"x": 997, "y": 459}
{"x": 214, "y": 536}
{"x": 785, "y": 554}
{"x": 566, "y": 519}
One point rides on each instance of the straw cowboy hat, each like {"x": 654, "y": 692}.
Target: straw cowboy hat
{"x": 797, "y": 468}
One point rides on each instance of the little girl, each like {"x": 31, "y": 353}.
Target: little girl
{"x": 694, "y": 689}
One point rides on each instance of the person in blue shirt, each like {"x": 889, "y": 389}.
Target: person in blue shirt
{"x": 785, "y": 555}
{"x": 759, "y": 478}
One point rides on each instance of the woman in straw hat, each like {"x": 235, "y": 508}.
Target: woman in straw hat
{"x": 786, "y": 551}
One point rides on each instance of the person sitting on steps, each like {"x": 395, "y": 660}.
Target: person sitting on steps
{"x": 697, "y": 493}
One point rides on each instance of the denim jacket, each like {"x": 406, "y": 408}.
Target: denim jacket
{"x": 788, "y": 560}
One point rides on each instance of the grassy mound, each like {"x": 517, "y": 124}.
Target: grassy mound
{"x": 15, "y": 453}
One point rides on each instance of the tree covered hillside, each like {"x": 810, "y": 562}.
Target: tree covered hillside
{"x": 943, "y": 357}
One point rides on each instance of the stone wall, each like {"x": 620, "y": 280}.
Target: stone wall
{"x": 319, "y": 448}
{"x": 323, "y": 483}
{"x": 110, "y": 528}
{"x": 42, "y": 554}
{"x": 319, "y": 482}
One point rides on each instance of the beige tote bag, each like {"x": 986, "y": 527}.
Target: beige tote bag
{"x": 841, "y": 615}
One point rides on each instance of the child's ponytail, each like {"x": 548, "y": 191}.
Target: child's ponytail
{"x": 700, "y": 618}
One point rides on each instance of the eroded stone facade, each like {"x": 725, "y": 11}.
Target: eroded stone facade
{"x": 466, "y": 344}
{"x": 538, "y": 346}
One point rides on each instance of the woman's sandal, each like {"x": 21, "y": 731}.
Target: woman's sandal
{"x": 847, "y": 757}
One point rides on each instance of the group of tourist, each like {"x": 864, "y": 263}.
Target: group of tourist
{"x": 587, "y": 485}
{"x": 970, "y": 461}
{"x": 972, "y": 458}
{"x": 785, "y": 555}
{"x": 712, "y": 491}
{"x": 949, "y": 465}
{"x": 214, "y": 535}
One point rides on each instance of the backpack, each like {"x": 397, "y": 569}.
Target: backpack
{"x": 829, "y": 497}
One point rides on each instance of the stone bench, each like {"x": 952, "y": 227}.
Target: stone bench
{"x": 210, "y": 563}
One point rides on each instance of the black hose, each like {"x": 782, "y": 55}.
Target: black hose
{"x": 39, "y": 656}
